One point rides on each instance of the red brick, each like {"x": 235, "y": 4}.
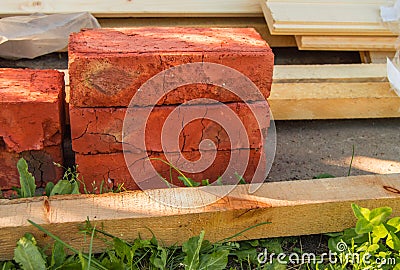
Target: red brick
{"x": 107, "y": 66}
{"x": 40, "y": 164}
{"x": 112, "y": 170}
{"x": 31, "y": 104}
{"x": 99, "y": 130}
{"x": 31, "y": 124}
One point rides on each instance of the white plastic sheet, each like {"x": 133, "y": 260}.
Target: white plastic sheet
{"x": 38, "y": 34}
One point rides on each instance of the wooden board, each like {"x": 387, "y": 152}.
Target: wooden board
{"x": 299, "y": 17}
{"x": 257, "y": 23}
{"x": 376, "y": 57}
{"x": 332, "y": 92}
{"x": 293, "y": 208}
{"x": 137, "y": 8}
{"x": 347, "y": 43}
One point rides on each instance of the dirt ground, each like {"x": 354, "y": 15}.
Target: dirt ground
{"x": 308, "y": 148}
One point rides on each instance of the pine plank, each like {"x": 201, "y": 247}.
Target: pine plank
{"x": 292, "y": 207}
{"x": 332, "y": 92}
{"x": 347, "y": 43}
{"x": 298, "y": 17}
{"x": 137, "y": 8}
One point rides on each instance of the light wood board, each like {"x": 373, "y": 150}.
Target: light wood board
{"x": 347, "y": 43}
{"x": 297, "y": 17}
{"x": 332, "y": 92}
{"x": 136, "y": 8}
{"x": 293, "y": 208}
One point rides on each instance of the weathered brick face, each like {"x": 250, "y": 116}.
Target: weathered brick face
{"x": 31, "y": 126}
{"x": 107, "y": 68}
{"x": 99, "y": 130}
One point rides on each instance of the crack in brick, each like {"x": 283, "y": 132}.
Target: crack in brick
{"x": 83, "y": 133}
{"x": 2, "y": 144}
{"x": 202, "y": 124}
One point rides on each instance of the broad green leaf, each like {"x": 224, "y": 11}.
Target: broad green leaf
{"x": 393, "y": 241}
{"x": 75, "y": 187}
{"x": 159, "y": 258}
{"x": 363, "y": 226}
{"x": 205, "y": 182}
{"x": 121, "y": 248}
{"x": 380, "y": 231}
{"x": 360, "y": 212}
{"x": 192, "y": 250}
{"x": 58, "y": 255}
{"x": 27, "y": 181}
{"x": 61, "y": 188}
{"x": 394, "y": 222}
{"x": 373, "y": 248}
{"x": 249, "y": 254}
{"x": 214, "y": 261}
{"x": 272, "y": 245}
{"x": 49, "y": 187}
{"x": 27, "y": 254}
{"x": 188, "y": 182}
{"x": 379, "y": 215}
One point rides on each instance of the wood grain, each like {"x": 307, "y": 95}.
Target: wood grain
{"x": 347, "y": 43}
{"x": 137, "y": 8}
{"x": 293, "y": 208}
{"x": 299, "y": 17}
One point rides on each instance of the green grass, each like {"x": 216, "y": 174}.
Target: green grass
{"x": 374, "y": 239}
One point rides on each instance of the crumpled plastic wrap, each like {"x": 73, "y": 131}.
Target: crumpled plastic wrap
{"x": 38, "y": 34}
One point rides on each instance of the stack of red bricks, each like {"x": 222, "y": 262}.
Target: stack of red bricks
{"x": 31, "y": 126}
{"x": 108, "y": 66}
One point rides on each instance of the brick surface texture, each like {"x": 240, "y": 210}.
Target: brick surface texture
{"x": 31, "y": 108}
{"x": 109, "y": 66}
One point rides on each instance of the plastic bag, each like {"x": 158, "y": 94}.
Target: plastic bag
{"x": 38, "y": 34}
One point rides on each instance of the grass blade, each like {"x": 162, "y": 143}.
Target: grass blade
{"x": 98, "y": 264}
{"x": 243, "y": 231}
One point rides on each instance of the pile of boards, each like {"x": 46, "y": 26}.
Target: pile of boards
{"x": 344, "y": 25}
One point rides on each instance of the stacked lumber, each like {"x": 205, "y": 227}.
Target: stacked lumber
{"x": 331, "y": 25}
{"x": 109, "y": 68}
{"x": 137, "y": 8}
{"x": 332, "y": 92}
{"x": 31, "y": 125}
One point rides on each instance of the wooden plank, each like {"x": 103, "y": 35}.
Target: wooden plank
{"x": 329, "y": 73}
{"x": 347, "y": 43}
{"x": 293, "y": 208}
{"x": 343, "y": 17}
{"x": 137, "y": 8}
{"x": 379, "y": 57}
{"x": 332, "y": 92}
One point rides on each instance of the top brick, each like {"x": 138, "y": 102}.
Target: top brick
{"x": 108, "y": 66}
{"x": 31, "y": 104}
